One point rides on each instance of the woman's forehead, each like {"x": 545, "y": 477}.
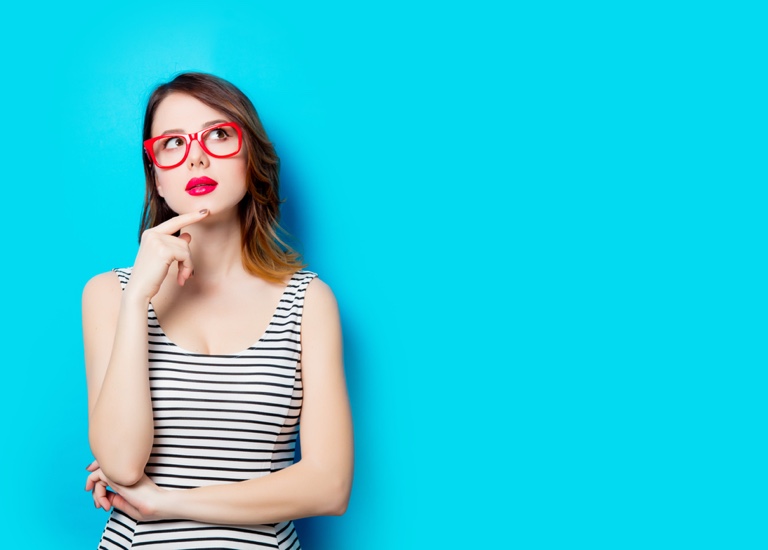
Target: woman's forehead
{"x": 183, "y": 113}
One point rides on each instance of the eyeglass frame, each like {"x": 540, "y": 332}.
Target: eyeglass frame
{"x": 188, "y": 139}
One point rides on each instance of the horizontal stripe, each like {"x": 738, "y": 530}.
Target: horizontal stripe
{"x": 233, "y": 364}
{"x": 207, "y": 375}
{"x": 209, "y": 540}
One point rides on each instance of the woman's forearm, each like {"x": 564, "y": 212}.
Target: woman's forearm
{"x": 121, "y": 425}
{"x": 301, "y": 490}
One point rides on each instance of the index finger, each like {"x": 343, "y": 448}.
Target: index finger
{"x": 169, "y": 227}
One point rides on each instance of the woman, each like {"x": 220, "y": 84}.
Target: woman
{"x": 205, "y": 356}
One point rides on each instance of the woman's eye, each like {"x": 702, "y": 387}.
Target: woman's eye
{"x": 218, "y": 133}
{"x": 173, "y": 143}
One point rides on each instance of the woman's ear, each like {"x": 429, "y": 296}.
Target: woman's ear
{"x": 157, "y": 182}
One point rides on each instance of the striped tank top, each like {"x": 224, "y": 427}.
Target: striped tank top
{"x": 220, "y": 419}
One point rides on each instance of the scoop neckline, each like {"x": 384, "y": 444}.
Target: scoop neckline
{"x": 236, "y": 354}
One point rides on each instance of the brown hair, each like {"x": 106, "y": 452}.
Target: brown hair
{"x": 264, "y": 253}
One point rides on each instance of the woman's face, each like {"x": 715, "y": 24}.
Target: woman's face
{"x": 202, "y": 180}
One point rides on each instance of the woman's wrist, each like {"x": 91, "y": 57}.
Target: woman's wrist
{"x": 169, "y": 504}
{"x": 130, "y": 299}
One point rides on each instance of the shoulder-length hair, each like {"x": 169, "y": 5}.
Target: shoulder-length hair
{"x": 264, "y": 253}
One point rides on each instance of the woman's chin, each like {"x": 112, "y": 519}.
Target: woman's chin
{"x": 195, "y": 207}
{"x": 216, "y": 210}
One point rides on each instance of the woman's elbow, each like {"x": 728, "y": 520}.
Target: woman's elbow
{"x": 119, "y": 471}
{"x": 125, "y": 476}
{"x": 340, "y": 508}
{"x": 123, "y": 470}
{"x": 338, "y": 497}
{"x": 119, "y": 465}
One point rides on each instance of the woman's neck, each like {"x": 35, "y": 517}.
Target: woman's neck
{"x": 216, "y": 250}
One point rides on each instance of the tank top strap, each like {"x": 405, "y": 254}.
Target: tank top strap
{"x": 297, "y": 288}
{"x": 123, "y": 275}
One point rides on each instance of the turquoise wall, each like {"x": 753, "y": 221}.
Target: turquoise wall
{"x": 544, "y": 223}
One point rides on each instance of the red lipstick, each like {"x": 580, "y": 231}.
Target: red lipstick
{"x": 201, "y": 186}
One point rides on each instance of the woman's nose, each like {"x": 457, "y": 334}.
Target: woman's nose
{"x": 197, "y": 155}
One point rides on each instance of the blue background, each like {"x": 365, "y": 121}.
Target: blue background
{"x": 544, "y": 224}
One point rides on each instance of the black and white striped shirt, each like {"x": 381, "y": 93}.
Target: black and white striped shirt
{"x": 220, "y": 419}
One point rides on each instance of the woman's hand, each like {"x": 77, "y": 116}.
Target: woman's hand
{"x": 158, "y": 250}
{"x": 140, "y": 501}
{"x": 98, "y": 486}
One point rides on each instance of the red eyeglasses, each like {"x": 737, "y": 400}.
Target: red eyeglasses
{"x": 220, "y": 140}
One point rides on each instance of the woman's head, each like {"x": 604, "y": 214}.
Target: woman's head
{"x": 264, "y": 253}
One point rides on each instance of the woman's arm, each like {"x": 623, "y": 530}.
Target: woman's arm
{"x": 119, "y": 405}
{"x": 319, "y": 484}
{"x": 121, "y": 427}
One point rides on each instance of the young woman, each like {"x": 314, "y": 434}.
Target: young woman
{"x": 205, "y": 356}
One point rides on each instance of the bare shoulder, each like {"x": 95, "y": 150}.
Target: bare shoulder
{"x": 321, "y": 311}
{"x": 321, "y": 335}
{"x": 319, "y": 296}
{"x": 102, "y": 288}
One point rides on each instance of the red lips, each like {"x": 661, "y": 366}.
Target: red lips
{"x": 201, "y": 186}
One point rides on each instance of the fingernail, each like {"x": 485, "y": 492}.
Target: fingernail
{"x": 204, "y": 211}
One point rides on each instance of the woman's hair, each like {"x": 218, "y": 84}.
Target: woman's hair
{"x": 263, "y": 251}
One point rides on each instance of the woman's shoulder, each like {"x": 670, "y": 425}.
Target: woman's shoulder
{"x": 321, "y": 317}
{"x": 106, "y": 283}
{"x": 319, "y": 294}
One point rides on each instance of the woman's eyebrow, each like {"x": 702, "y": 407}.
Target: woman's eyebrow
{"x": 202, "y": 127}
